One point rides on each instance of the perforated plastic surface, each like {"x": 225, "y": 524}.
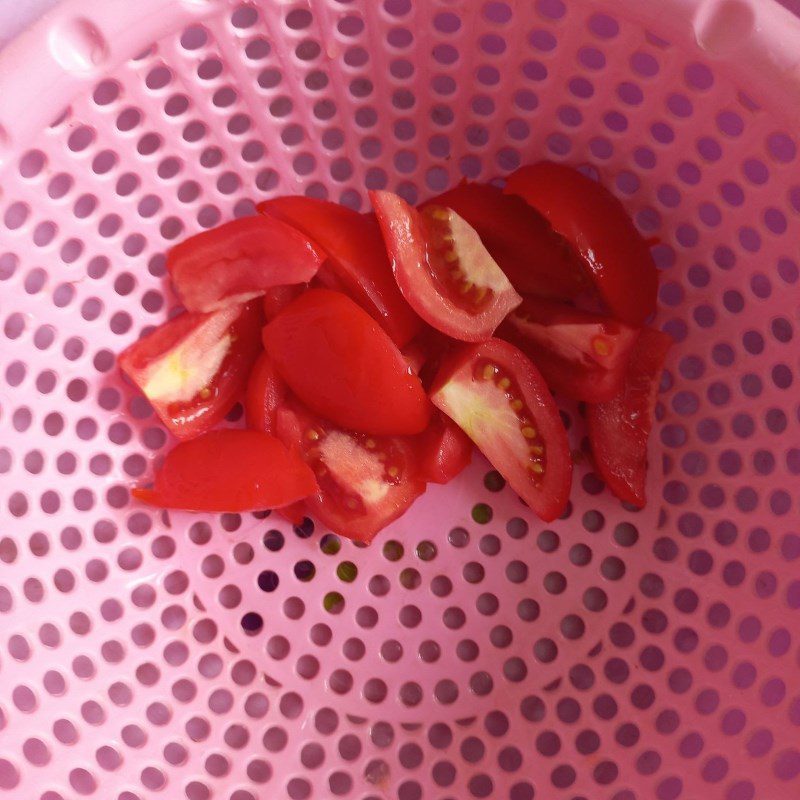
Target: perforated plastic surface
{"x": 472, "y": 651}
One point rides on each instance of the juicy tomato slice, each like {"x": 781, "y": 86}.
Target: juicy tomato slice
{"x": 443, "y": 450}
{"x": 443, "y": 269}
{"x": 230, "y": 471}
{"x": 500, "y": 400}
{"x": 365, "y": 482}
{"x": 266, "y": 391}
{"x": 357, "y": 262}
{"x": 278, "y": 297}
{"x": 521, "y": 241}
{"x": 580, "y": 355}
{"x": 619, "y": 428}
{"x": 344, "y": 366}
{"x": 597, "y": 226}
{"x": 194, "y": 367}
{"x": 425, "y": 352}
{"x": 240, "y": 260}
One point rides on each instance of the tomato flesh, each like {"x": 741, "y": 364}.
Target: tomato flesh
{"x": 500, "y": 400}
{"x": 230, "y": 471}
{"x": 596, "y": 225}
{"x": 581, "y": 355}
{"x": 443, "y": 269}
{"x": 365, "y": 482}
{"x": 443, "y": 450}
{"x": 620, "y": 428}
{"x": 357, "y": 262}
{"x": 194, "y": 367}
{"x": 265, "y": 393}
{"x": 344, "y": 367}
{"x": 521, "y": 241}
{"x": 278, "y": 297}
{"x": 240, "y": 260}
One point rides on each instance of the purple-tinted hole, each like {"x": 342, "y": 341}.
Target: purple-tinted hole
{"x": 648, "y": 762}
{"x": 782, "y": 148}
{"x": 668, "y": 721}
{"x": 680, "y": 105}
{"x": 644, "y": 64}
{"x": 749, "y": 239}
{"x": 712, "y": 495}
{"x": 710, "y": 214}
{"x": 662, "y": 132}
{"x": 716, "y": 658}
{"x": 734, "y": 573}
{"x": 787, "y": 765}
{"x": 776, "y": 420}
{"x": 562, "y": 776}
{"x": 686, "y": 640}
{"x": 773, "y": 692}
{"x": 707, "y": 701}
{"x": 732, "y": 193}
{"x": 782, "y": 376}
{"x": 760, "y": 742}
{"x": 691, "y": 745}
{"x": 709, "y": 149}
{"x": 766, "y": 584}
{"x": 776, "y": 221}
{"x": 715, "y": 769}
{"x": 744, "y": 675}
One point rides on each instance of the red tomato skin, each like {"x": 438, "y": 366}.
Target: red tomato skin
{"x": 521, "y": 241}
{"x": 294, "y": 513}
{"x": 443, "y": 450}
{"x": 240, "y": 260}
{"x": 189, "y": 418}
{"x": 596, "y": 225}
{"x": 581, "y": 355}
{"x": 294, "y": 423}
{"x": 483, "y": 410}
{"x": 266, "y": 391}
{"x": 410, "y": 250}
{"x": 230, "y": 471}
{"x": 344, "y": 367}
{"x": 278, "y": 297}
{"x": 357, "y": 262}
{"x": 620, "y": 428}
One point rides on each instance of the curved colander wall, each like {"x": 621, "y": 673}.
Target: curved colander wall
{"x": 472, "y": 651}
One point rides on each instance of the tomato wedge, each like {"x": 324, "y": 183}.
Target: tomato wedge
{"x": 365, "y": 482}
{"x": 357, "y": 262}
{"x": 278, "y": 297}
{"x": 240, "y": 260}
{"x": 521, "y": 241}
{"x": 597, "y": 226}
{"x": 230, "y": 471}
{"x": 266, "y": 391}
{"x": 580, "y": 355}
{"x": 502, "y": 403}
{"x": 194, "y": 367}
{"x": 344, "y": 367}
{"x": 443, "y": 450}
{"x": 443, "y": 269}
{"x": 619, "y": 429}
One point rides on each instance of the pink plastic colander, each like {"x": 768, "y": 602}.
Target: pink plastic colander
{"x": 472, "y": 651}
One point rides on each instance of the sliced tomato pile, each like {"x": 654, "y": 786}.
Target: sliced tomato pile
{"x": 373, "y": 352}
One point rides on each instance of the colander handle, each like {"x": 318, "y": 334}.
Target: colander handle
{"x": 757, "y": 42}
{"x": 83, "y": 41}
